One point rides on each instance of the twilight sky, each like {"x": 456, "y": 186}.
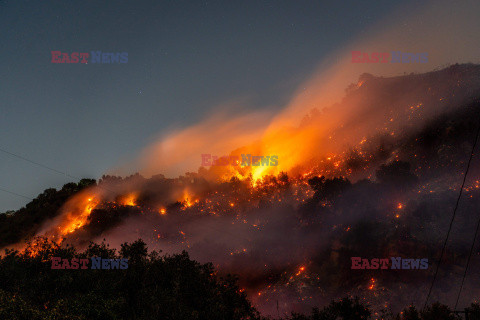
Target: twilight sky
{"x": 184, "y": 59}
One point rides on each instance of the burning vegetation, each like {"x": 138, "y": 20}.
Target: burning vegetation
{"x": 373, "y": 176}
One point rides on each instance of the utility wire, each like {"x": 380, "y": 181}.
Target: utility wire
{"x": 16, "y": 194}
{"x": 472, "y": 246}
{"x": 49, "y": 168}
{"x": 35, "y": 163}
{"x": 453, "y": 217}
{"x": 468, "y": 262}
{"x": 38, "y": 164}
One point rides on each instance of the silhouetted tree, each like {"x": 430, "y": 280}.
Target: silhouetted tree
{"x": 152, "y": 287}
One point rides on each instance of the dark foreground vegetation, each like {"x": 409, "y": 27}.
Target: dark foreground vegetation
{"x": 154, "y": 286}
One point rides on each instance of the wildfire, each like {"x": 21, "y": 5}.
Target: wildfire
{"x": 372, "y": 284}
{"x": 78, "y": 209}
{"x": 78, "y": 215}
{"x": 129, "y": 200}
{"x": 300, "y": 271}
{"x": 188, "y": 199}
{"x": 321, "y": 141}
{"x": 258, "y": 173}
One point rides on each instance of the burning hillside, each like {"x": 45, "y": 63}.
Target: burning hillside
{"x": 373, "y": 176}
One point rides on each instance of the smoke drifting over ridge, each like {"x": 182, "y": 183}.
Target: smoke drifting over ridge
{"x": 411, "y": 29}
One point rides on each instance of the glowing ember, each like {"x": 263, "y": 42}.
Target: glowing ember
{"x": 300, "y": 271}
{"x": 372, "y": 284}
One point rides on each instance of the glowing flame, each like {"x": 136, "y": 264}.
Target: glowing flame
{"x": 78, "y": 210}
{"x": 258, "y": 173}
{"x": 300, "y": 271}
{"x": 188, "y": 199}
{"x": 129, "y": 200}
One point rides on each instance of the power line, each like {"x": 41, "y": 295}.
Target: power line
{"x": 16, "y": 194}
{"x": 35, "y": 163}
{"x": 49, "y": 168}
{"x": 453, "y": 218}
{"x": 473, "y": 243}
{"x": 38, "y": 164}
{"x": 468, "y": 262}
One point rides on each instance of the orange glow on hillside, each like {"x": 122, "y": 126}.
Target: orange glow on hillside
{"x": 129, "y": 200}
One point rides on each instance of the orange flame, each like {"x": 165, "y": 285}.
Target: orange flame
{"x": 188, "y": 199}
{"x": 78, "y": 221}
{"x": 129, "y": 200}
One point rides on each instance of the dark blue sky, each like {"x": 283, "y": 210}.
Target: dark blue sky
{"x": 184, "y": 58}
